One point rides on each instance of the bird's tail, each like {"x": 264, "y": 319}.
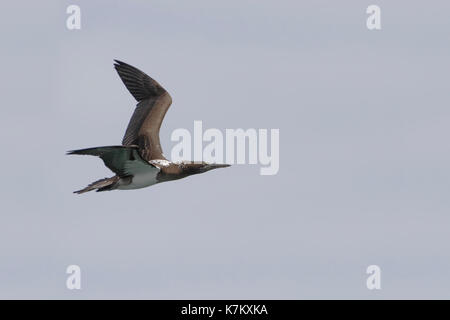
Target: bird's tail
{"x": 104, "y": 184}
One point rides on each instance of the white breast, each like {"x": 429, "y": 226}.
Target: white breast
{"x": 140, "y": 181}
{"x": 143, "y": 175}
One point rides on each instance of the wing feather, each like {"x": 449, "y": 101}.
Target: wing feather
{"x": 119, "y": 159}
{"x": 153, "y": 103}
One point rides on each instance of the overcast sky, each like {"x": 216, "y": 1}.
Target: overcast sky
{"x": 364, "y": 150}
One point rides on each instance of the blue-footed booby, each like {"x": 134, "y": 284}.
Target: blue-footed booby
{"x": 139, "y": 162}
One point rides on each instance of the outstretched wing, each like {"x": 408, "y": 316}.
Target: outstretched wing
{"x": 153, "y": 103}
{"x": 122, "y": 160}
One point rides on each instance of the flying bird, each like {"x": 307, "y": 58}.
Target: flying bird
{"x": 139, "y": 162}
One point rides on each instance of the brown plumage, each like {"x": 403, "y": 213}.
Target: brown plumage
{"x": 153, "y": 103}
{"x": 140, "y": 162}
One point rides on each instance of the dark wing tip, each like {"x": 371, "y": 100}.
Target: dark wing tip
{"x": 80, "y": 151}
{"x": 118, "y": 64}
{"x": 140, "y": 85}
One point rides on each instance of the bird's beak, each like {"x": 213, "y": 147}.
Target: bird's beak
{"x": 212, "y": 166}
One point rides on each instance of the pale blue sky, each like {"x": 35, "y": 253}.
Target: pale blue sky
{"x": 364, "y": 153}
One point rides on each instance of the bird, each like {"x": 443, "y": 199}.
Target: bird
{"x": 139, "y": 162}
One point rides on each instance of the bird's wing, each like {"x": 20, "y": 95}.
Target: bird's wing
{"x": 153, "y": 103}
{"x": 122, "y": 160}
